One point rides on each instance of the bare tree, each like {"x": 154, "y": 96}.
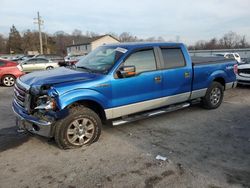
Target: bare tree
{"x": 3, "y": 42}
{"x": 77, "y": 32}
{"x": 30, "y": 41}
{"x": 62, "y": 40}
{"x": 127, "y": 37}
{"x": 228, "y": 41}
{"x": 243, "y": 42}
{"x": 91, "y": 34}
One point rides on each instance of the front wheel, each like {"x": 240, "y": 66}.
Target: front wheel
{"x": 8, "y": 80}
{"x": 81, "y": 127}
{"x": 214, "y": 96}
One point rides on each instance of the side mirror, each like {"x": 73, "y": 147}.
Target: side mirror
{"x": 126, "y": 71}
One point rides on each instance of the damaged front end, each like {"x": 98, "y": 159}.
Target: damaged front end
{"x": 36, "y": 108}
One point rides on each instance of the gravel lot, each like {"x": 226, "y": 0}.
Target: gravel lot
{"x": 205, "y": 148}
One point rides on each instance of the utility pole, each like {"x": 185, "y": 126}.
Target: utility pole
{"x": 39, "y": 22}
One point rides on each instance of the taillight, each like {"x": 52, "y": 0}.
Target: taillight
{"x": 236, "y": 69}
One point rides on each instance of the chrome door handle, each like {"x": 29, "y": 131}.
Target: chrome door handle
{"x": 158, "y": 79}
{"x": 187, "y": 74}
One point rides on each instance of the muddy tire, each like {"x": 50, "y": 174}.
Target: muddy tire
{"x": 80, "y": 128}
{"x": 214, "y": 96}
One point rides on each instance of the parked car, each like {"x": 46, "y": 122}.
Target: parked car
{"x": 235, "y": 56}
{"x": 22, "y": 58}
{"x": 35, "y": 64}
{"x": 117, "y": 84}
{"x": 70, "y": 60}
{"x": 243, "y": 76}
{"x": 52, "y": 57}
{"x": 9, "y": 72}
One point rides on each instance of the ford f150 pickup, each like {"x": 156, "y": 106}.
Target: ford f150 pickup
{"x": 117, "y": 84}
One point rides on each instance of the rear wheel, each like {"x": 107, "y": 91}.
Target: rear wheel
{"x": 214, "y": 96}
{"x": 8, "y": 80}
{"x": 49, "y": 68}
{"x": 81, "y": 127}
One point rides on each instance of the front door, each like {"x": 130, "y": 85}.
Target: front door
{"x": 140, "y": 92}
{"x": 28, "y": 65}
{"x": 41, "y": 64}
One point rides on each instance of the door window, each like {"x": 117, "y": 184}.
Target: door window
{"x": 173, "y": 58}
{"x": 30, "y": 61}
{"x": 142, "y": 60}
{"x": 40, "y": 60}
{"x": 229, "y": 56}
{"x": 2, "y": 64}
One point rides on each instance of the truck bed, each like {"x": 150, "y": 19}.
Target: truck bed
{"x": 199, "y": 60}
{"x": 204, "y": 67}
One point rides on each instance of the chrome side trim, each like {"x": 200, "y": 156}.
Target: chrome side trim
{"x": 120, "y": 111}
{"x": 156, "y": 113}
{"x": 136, "y": 117}
{"x": 109, "y": 113}
{"x": 119, "y": 122}
{"x": 230, "y": 85}
{"x": 198, "y": 93}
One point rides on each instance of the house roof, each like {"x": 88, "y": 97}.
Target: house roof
{"x": 89, "y": 40}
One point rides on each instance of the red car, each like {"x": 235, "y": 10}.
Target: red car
{"x": 9, "y": 72}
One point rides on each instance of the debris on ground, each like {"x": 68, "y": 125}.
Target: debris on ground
{"x": 159, "y": 157}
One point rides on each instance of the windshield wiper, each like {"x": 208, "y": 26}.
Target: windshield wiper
{"x": 85, "y": 68}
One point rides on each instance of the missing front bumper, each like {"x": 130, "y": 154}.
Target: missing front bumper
{"x": 32, "y": 124}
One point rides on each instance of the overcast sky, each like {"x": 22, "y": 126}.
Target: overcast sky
{"x": 191, "y": 20}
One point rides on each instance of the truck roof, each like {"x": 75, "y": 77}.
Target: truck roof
{"x": 130, "y": 45}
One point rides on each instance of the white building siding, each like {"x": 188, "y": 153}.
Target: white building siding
{"x": 104, "y": 40}
{"x": 83, "y": 49}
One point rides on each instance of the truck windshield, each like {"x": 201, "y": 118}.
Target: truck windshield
{"x": 101, "y": 60}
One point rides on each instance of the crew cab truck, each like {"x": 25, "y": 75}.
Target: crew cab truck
{"x": 117, "y": 84}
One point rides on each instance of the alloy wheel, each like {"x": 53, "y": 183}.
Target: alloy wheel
{"x": 80, "y": 131}
{"x": 8, "y": 81}
{"x": 215, "y": 96}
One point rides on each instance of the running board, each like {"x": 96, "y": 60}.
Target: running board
{"x": 135, "y": 117}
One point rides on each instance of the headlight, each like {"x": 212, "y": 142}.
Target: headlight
{"x": 46, "y": 103}
{"x": 19, "y": 67}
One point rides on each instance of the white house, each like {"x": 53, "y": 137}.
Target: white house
{"x": 90, "y": 44}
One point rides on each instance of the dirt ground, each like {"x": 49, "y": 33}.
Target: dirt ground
{"x": 204, "y": 148}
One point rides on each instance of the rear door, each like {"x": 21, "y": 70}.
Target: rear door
{"x": 28, "y": 65}
{"x": 138, "y": 93}
{"x": 41, "y": 64}
{"x": 177, "y": 75}
{"x": 2, "y": 64}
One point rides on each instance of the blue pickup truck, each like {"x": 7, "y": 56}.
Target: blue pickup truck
{"x": 117, "y": 84}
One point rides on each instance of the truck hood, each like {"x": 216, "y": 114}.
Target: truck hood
{"x": 55, "y": 76}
